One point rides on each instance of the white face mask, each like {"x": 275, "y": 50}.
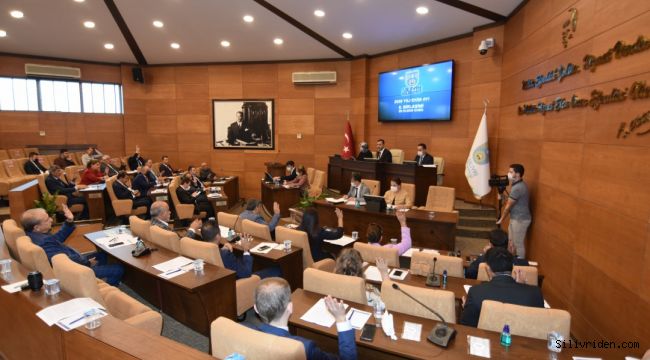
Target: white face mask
{"x": 393, "y": 188}
{"x": 419, "y": 153}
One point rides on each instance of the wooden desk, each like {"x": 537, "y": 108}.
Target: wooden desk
{"x": 285, "y": 197}
{"x": 193, "y": 299}
{"x": 219, "y": 203}
{"x": 383, "y": 347}
{"x": 94, "y": 195}
{"x": 436, "y": 233}
{"x": 275, "y": 168}
{"x": 22, "y": 198}
{"x": 339, "y": 172}
{"x": 229, "y": 186}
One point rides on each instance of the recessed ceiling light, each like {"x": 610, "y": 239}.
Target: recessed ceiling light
{"x": 319, "y": 12}
{"x": 108, "y": 46}
{"x": 175, "y": 45}
{"x": 17, "y": 14}
{"x": 89, "y": 24}
{"x": 158, "y": 23}
{"x": 347, "y": 35}
{"x": 225, "y": 43}
{"x": 79, "y": 1}
{"x": 248, "y": 18}
{"x": 3, "y": 33}
{"x": 422, "y": 10}
{"x": 278, "y": 41}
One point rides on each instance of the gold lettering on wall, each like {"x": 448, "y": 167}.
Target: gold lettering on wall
{"x": 569, "y": 27}
{"x": 626, "y": 129}
{"x": 619, "y": 50}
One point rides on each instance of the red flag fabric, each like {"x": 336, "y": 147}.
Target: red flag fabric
{"x": 348, "y": 143}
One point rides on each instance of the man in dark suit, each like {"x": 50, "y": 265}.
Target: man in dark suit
{"x": 291, "y": 170}
{"x": 64, "y": 160}
{"x": 195, "y": 182}
{"x": 165, "y": 169}
{"x": 136, "y": 160}
{"x": 383, "y": 154}
{"x": 33, "y": 166}
{"x": 273, "y": 305}
{"x": 161, "y": 215}
{"x": 502, "y": 287}
{"x": 498, "y": 238}
{"x": 106, "y": 167}
{"x": 124, "y": 192}
{"x": 239, "y": 131}
{"x": 188, "y": 195}
{"x": 205, "y": 173}
{"x": 423, "y": 158}
{"x": 141, "y": 182}
{"x": 54, "y": 185}
{"x": 153, "y": 178}
{"x": 364, "y": 152}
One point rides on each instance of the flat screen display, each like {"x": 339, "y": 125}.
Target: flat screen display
{"x": 421, "y": 93}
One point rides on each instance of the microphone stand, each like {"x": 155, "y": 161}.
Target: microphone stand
{"x": 433, "y": 279}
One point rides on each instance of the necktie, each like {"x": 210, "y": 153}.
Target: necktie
{"x": 356, "y": 192}
{"x": 420, "y": 160}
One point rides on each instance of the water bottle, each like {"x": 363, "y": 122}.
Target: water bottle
{"x": 378, "y": 311}
{"x": 444, "y": 279}
{"x": 357, "y": 203}
{"x": 506, "y": 340}
{"x": 231, "y": 233}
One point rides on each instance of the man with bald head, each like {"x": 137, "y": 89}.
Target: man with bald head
{"x": 38, "y": 226}
{"x": 206, "y": 174}
{"x": 160, "y": 216}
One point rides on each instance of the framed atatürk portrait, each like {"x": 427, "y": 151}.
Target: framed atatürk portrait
{"x": 243, "y": 124}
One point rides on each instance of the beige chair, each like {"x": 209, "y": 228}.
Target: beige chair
{"x": 440, "y": 198}
{"x": 79, "y": 156}
{"x": 316, "y": 186}
{"x": 17, "y": 153}
{"x": 51, "y": 158}
{"x": 4, "y": 155}
{"x": 230, "y": 221}
{"x": 410, "y": 190}
{"x": 60, "y": 199}
{"x": 73, "y": 173}
{"x": 122, "y": 207}
{"x": 398, "y": 156}
{"x": 33, "y": 257}
{"x": 80, "y": 281}
{"x": 442, "y": 301}
{"x": 227, "y": 337}
{"x": 209, "y": 252}
{"x": 373, "y": 185}
{"x": 350, "y": 288}
{"x": 526, "y": 321}
{"x": 183, "y": 211}
{"x": 165, "y": 238}
{"x": 370, "y": 253}
{"x": 440, "y": 169}
{"x": 300, "y": 239}
{"x": 311, "y": 172}
{"x": 155, "y": 167}
{"x": 11, "y": 233}
{"x": 13, "y": 169}
{"x": 422, "y": 263}
{"x": 530, "y": 273}
{"x": 140, "y": 228}
{"x": 45, "y": 161}
{"x": 28, "y": 150}
{"x": 260, "y": 231}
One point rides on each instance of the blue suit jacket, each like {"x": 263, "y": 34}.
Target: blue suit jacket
{"x": 347, "y": 346}
{"x": 249, "y": 215}
{"x": 142, "y": 184}
{"x": 52, "y": 244}
{"x": 242, "y": 266}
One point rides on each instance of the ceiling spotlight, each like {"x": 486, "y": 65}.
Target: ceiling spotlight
{"x": 108, "y": 46}
{"x": 79, "y": 1}
{"x": 158, "y": 23}
{"x": 422, "y": 10}
{"x": 278, "y": 41}
{"x": 225, "y": 43}
{"x": 319, "y": 13}
{"x": 89, "y": 24}
{"x": 347, "y": 35}
{"x": 248, "y": 18}
{"x": 175, "y": 45}
{"x": 3, "y": 33}
{"x": 17, "y": 14}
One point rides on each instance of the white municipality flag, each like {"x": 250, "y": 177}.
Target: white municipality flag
{"x": 477, "y": 167}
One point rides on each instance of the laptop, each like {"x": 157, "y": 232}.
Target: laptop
{"x": 375, "y": 203}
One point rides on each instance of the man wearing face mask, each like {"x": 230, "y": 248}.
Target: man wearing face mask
{"x": 383, "y": 154}
{"x": 423, "y": 158}
{"x": 517, "y": 208}
{"x": 291, "y": 170}
{"x": 398, "y": 196}
{"x": 364, "y": 153}
{"x": 357, "y": 188}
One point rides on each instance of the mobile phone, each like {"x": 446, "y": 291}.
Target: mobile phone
{"x": 397, "y": 272}
{"x": 368, "y": 332}
{"x": 263, "y": 248}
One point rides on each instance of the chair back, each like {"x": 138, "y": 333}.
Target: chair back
{"x": 4, "y": 155}
{"x": 373, "y": 185}
{"x": 370, "y": 253}
{"x": 227, "y": 337}
{"x": 442, "y": 301}
{"x": 155, "y": 167}
{"x": 51, "y": 158}
{"x": 11, "y": 233}
{"x": 410, "y": 190}
{"x": 29, "y": 150}
{"x": 17, "y": 153}
{"x": 207, "y": 251}
{"x": 440, "y": 168}
{"x": 73, "y": 172}
{"x": 422, "y": 263}
{"x": 33, "y": 257}
{"x": 530, "y": 273}
{"x": 140, "y": 228}
{"x": 299, "y": 239}
{"x": 260, "y": 231}
{"x": 311, "y": 172}
{"x": 165, "y": 238}
{"x": 20, "y": 165}
{"x": 526, "y": 321}
{"x": 350, "y": 288}
{"x": 45, "y": 161}
{"x": 316, "y": 186}
{"x": 41, "y": 184}
{"x": 440, "y": 198}
{"x": 109, "y": 187}
{"x": 398, "y": 156}
{"x": 11, "y": 169}
{"x": 76, "y": 279}
{"x": 230, "y": 221}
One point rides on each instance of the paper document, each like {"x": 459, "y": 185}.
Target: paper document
{"x": 357, "y": 318}
{"x": 532, "y": 263}
{"x": 409, "y": 252}
{"x": 159, "y": 191}
{"x": 343, "y": 241}
{"x": 116, "y": 241}
{"x": 214, "y": 196}
{"x": 546, "y": 305}
{"x": 173, "y": 264}
{"x": 430, "y": 166}
{"x": 174, "y": 273}
{"x": 372, "y": 273}
{"x": 55, "y": 313}
{"x": 14, "y": 287}
{"x": 293, "y": 226}
{"x": 335, "y": 200}
{"x": 264, "y": 248}
{"x": 478, "y": 346}
{"x": 318, "y": 314}
{"x": 412, "y": 331}
{"x": 467, "y": 287}
{"x": 80, "y": 318}
{"x": 224, "y": 231}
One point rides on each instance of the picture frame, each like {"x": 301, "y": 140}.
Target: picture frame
{"x": 243, "y": 124}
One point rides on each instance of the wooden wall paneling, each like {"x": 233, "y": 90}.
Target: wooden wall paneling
{"x": 560, "y": 166}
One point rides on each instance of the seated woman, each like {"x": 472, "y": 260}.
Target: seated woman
{"x": 397, "y": 196}
{"x": 374, "y": 234}
{"x": 92, "y": 175}
{"x": 317, "y": 234}
{"x": 350, "y": 263}
{"x": 301, "y": 182}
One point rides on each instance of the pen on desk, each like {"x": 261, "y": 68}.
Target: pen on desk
{"x": 171, "y": 272}
{"x": 351, "y": 314}
{"x": 116, "y": 244}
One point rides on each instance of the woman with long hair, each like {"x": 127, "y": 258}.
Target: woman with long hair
{"x": 317, "y": 234}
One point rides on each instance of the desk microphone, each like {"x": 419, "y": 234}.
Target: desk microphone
{"x": 433, "y": 279}
{"x": 441, "y": 334}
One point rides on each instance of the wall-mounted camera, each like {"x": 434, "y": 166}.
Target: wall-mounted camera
{"x": 485, "y": 45}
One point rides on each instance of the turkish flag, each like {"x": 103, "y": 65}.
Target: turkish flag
{"x": 348, "y": 143}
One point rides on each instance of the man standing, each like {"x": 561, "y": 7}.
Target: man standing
{"x": 383, "y": 154}
{"x": 517, "y": 207}
{"x": 423, "y": 158}
{"x": 33, "y": 166}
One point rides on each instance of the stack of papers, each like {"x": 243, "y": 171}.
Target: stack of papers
{"x": 159, "y": 191}
{"x": 319, "y": 315}
{"x": 224, "y": 231}
{"x": 343, "y": 241}
{"x": 409, "y": 252}
{"x": 116, "y": 241}
{"x": 478, "y": 346}
{"x": 214, "y": 195}
{"x": 71, "y": 314}
{"x": 14, "y": 287}
{"x": 372, "y": 273}
{"x": 412, "y": 331}
{"x": 174, "y": 267}
{"x": 335, "y": 200}
{"x": 357, "y": 318}
{"x": 265, "y": 247}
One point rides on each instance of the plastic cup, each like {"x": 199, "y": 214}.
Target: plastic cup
{"x": 93, "y": 320}
{"x": 393, "y": 241}
{"x": 5, "y": 266}
{"x": 287, "y": 245}
{"x": 355, "y": 235}
{"x": 52, "y": 286}
{"x": 198, "y": 265}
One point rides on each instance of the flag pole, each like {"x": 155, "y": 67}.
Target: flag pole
{"x": 485, "y": 105}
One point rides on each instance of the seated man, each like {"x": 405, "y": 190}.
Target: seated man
{"x": 357, "y": 188}
{"x": 37, "y": 225}
{"x": 142, "y": 182}
{"x": 135, "y": 161}
{"x": 398, "y": 196}
{"x": 375, "y": 235}
{"x": 188, "y": 195}
{"x": 165, "y": 169}
{"x": 364, "y": 152}
{"x": 383, "y": 154}
{"x": 193, "y": 175}
{"x": 55, "y": 184}
{"x": 64, "y": 160}
{"x": 124, "y": 192}
{"x": 253, "y": 212}
{"x": 33, "y": 166}
{"x": 273, "y": 305}
{"x": 422, "y": 158}
{"x": 291, "y": 170}
{"x": 106, "y": 167}
{"x": 153, "y": 178}
{"x": 498, "y": 238}
{"x": 206, "y": 174}
{"x": 160, "y": 216}
{"x": 502, "y": 287}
